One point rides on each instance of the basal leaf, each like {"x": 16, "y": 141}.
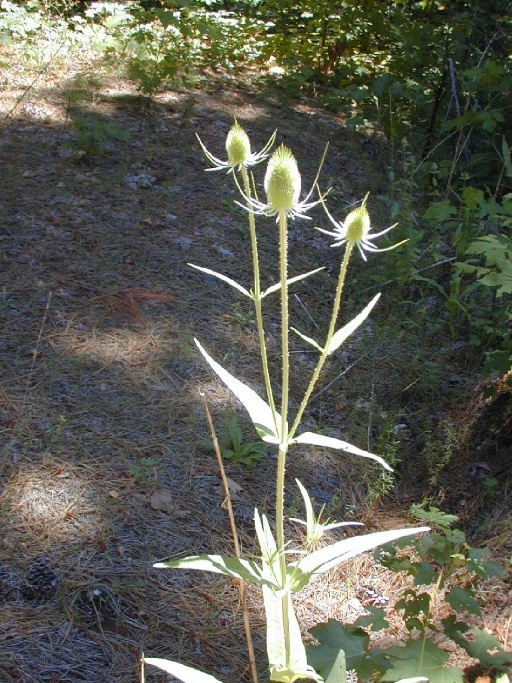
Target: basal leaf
{"x": 184, "y": 673}
{"x": 330, "y": 442}
{"x": 259, "y": 411}
{"x": 340, "y": 336}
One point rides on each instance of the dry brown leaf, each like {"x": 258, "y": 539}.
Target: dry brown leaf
{"x": 162, "y": 500}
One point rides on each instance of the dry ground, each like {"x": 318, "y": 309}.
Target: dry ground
{"x": 100, "y": 381}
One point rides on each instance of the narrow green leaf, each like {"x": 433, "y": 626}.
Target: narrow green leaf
{"x": 322, "y": 560}
{"x": 259, "y": 411}
{"x": 229, "y": 566}
{"x": 310, "y": 514}
{"x": 224, "y": 278}
{"x": 331, "y": 442}
{"x": 308, "y": 340}
{"x": 290, "y": 281}
{"x": 184, "y": 673}
{"x": 345, "y": 332}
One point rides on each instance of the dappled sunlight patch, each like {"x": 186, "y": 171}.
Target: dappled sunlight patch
{"x": 132, "y": 348}
{"x": 45, "y": 503}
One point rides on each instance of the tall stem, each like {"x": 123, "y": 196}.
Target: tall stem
{"x": 330, "y": 333}
{"x": 257, "y": 299}
{"x": 283, "y": 432}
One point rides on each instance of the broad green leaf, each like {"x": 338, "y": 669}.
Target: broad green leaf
{"x": 340, "y": 336}
{"x": 462, "y": 598}
{"x": 416, "y": 607}
{"x": 229, "y": 566}
{"x": 424, "y": 573}
{"x": 472, "y": 197}
{"x": 224, "y": 278}
{"x": 338, "y": 444}
{"x": 334, "y": 636}
{"x": 476, "y": 556}
{"x": 421, "y": 658}
{"x": 483, "y": 646}
{"x": 440, "y": 211}
{"x": 184, "y": 673}
{"x": 259, "y": 411}
{"x": 322, "y": 560}
{"x": 290, "y": 281}
{"x": 376, "y": 619}
{"x": 433, "y": 516}
{"x": 308, "y": 340}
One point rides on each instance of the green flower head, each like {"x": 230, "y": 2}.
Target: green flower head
{"x": 238, "y": 147}
{"x": 282, "y": 186}
{"x": 355, "y": 230}
{"x": 282, "y": 181}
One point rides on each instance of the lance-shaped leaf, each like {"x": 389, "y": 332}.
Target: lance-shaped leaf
{"x": 222, "y": 277}
{"x": 308, "y": 340}
{"x": 322, "y": 560}
{"x": 290, "y": 281}
{"x": 184, "y": 673}
{"x": 331, "y": 442}
{"x": 259, "y": 411}
{"x": 315, "y": 529}
{"x": 340, "y": 336}
{"x": 229, "y": 566}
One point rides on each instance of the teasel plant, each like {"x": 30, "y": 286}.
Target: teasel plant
{"x": 278, "y": 578}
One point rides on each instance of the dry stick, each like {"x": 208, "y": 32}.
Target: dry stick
{"x": 243, "y": 602}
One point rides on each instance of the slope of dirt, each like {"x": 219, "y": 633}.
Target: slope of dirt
{"x": 100, "y": 409}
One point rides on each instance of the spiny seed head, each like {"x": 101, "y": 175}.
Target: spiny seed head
{"x": 238, "y": 146}
{"x": 282, "y": 181}
{"x": 357, "y": 225}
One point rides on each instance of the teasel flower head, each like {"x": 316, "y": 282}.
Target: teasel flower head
{"x": 356, "y": 229}
{"x": 238, "y": 147}
{"x": 282, "y": 187}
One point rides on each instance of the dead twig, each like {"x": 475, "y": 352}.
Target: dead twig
{"x": 236, "y": 542}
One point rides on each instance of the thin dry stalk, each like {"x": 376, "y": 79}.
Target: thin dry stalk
{"x": 243, "y": 601}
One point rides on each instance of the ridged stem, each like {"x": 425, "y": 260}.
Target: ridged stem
{"x": 283, "y": 432}
{"x": 257, "y": 299}
{"x": 330, "y": 334}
